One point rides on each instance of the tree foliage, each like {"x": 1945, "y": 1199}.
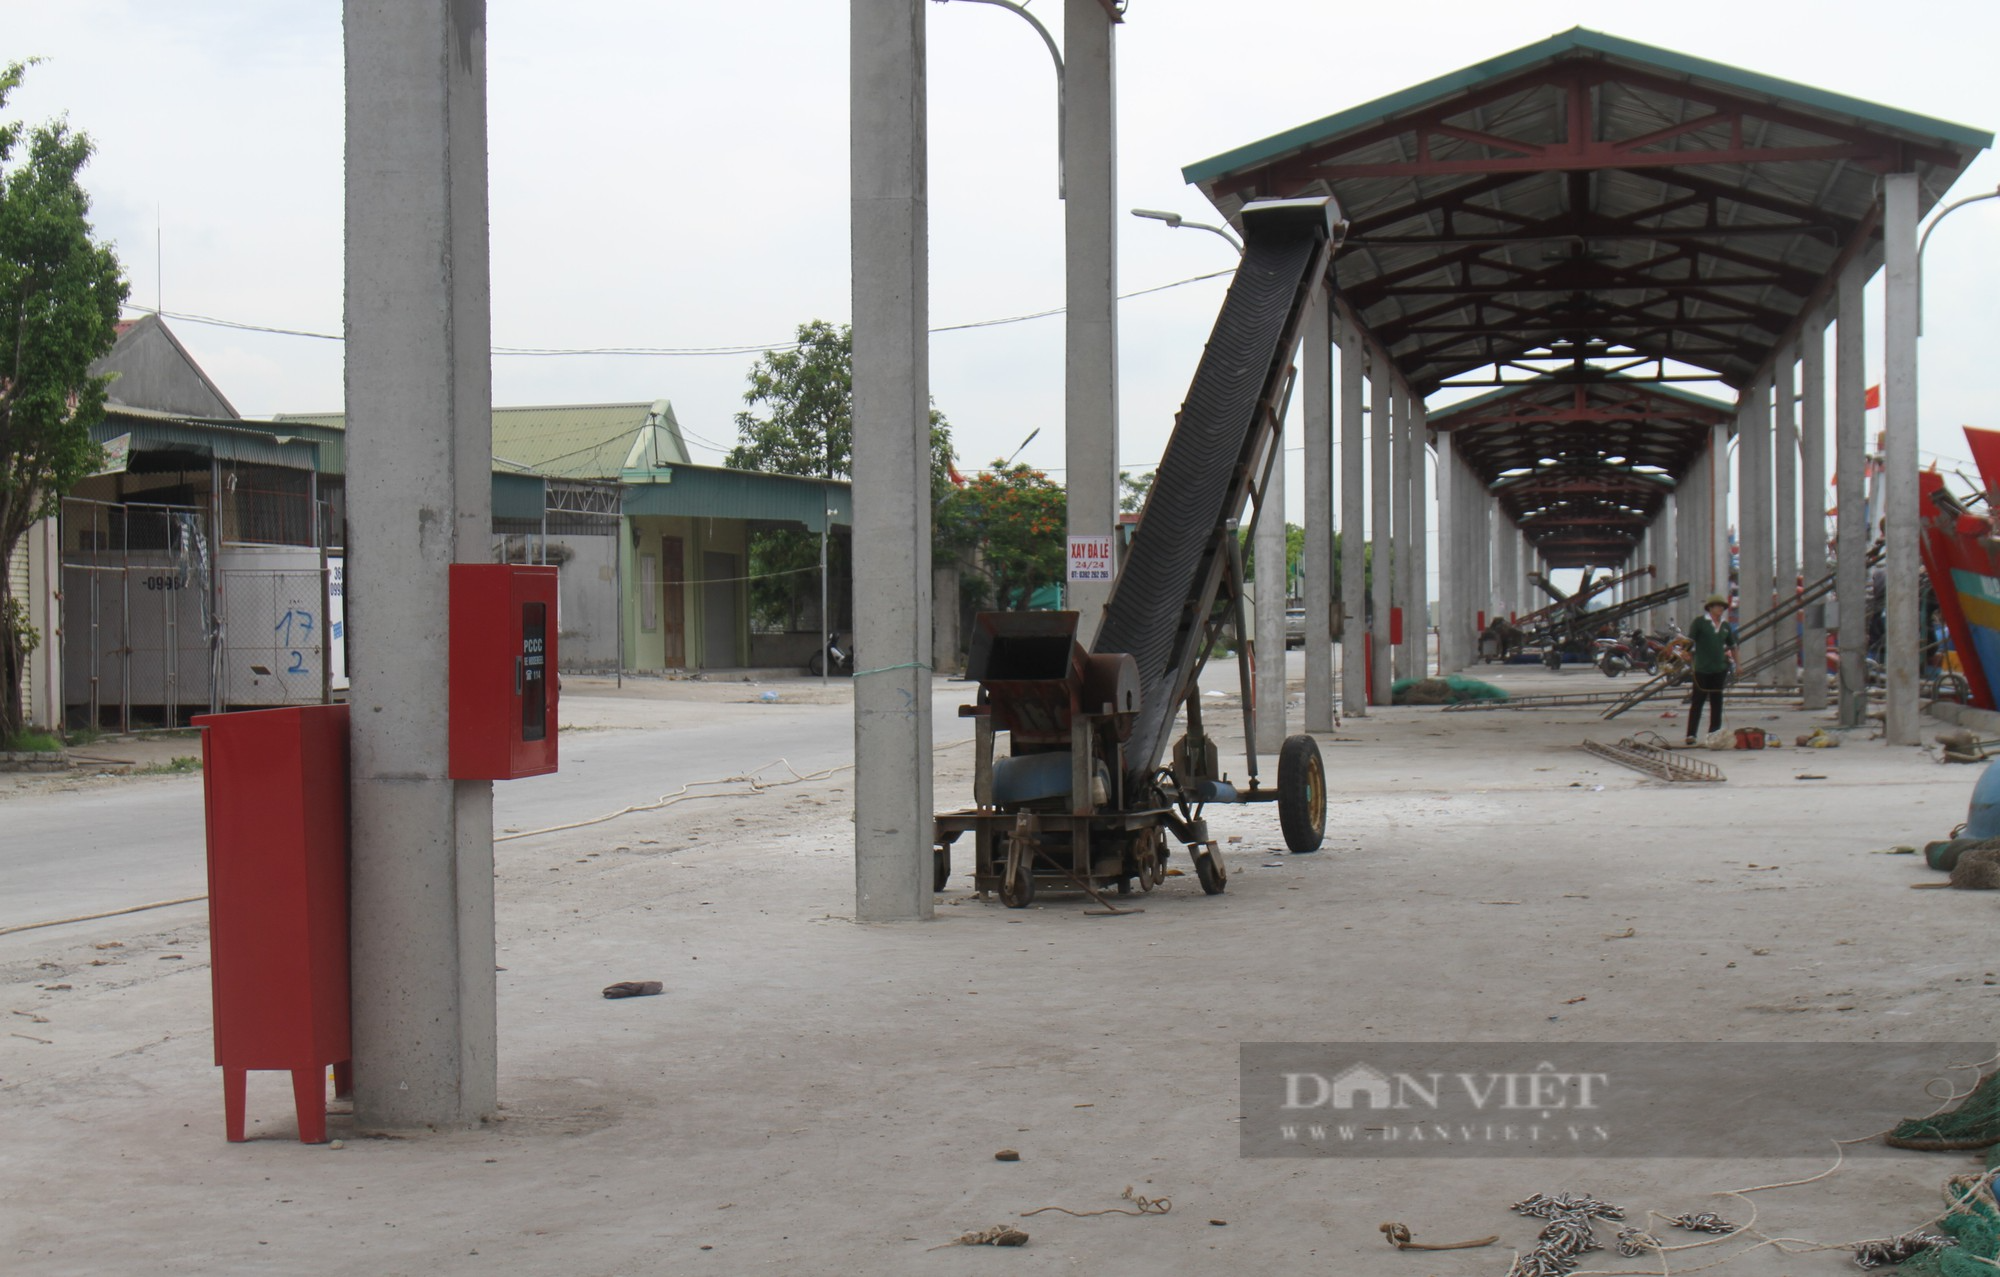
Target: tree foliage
{"x": 798, "y": 419}
{"x": 60, "y": 291}
{"x": 1011, "y": 522}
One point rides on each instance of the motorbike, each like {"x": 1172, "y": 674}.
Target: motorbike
{"x": 1613, "y": 656}
{"x": 832, "y": 659}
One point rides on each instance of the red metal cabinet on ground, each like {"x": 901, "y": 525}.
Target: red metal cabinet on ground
{"x": 275, "y": 784}
{"x": 503, "y": 671}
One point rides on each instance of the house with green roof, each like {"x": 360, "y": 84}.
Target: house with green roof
{"x": 670, "y": 592}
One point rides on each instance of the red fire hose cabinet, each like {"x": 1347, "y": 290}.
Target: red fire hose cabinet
{"x": 275, "y": 786}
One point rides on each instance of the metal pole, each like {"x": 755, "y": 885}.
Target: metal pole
{"x": 1062, "y": 104}
{"x": 825, "y": 616}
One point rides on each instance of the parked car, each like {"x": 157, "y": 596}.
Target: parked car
{"x": 1295, "y": 627}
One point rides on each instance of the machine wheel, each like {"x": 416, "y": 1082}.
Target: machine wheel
{"x": 1552, "y": 657}
{"x": 1611, "y": 668}
{"x": 1017, "y": 880}
{"x": 940, "y": 866}
{"x": 816, "y": 663}
{"x": 1301, "y": 793}
{"x": 1208, "y": 867}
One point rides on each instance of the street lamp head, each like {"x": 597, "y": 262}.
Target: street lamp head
{"x": 1158, "y": 215}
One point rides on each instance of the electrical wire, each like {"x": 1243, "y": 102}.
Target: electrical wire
{"x": 652, "y": 352}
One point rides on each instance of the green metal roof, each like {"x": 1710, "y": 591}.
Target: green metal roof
{"x": 224, "y": 440}
{"x": 1584, "y": 40}
{"x": 713, "y": 492}
{"x": 569, "y": 441}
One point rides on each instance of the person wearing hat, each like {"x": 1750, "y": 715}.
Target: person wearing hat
{"x": 1714, "y": 652}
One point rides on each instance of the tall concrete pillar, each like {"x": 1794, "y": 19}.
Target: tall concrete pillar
{"x": 1317, "y": 517}
{"x": 1420, "y": 533}
{"x": 1851, "y": 521}
{"x": 1753, "y": 514}
{"x": 1400, "y": 507}
{"x": 890, "y": 233}
{"x": 1507, "y": 545}
{"x": 1902, "y": 637}
{"x": 1354, "y": 473}
{"x": 1090, "y": 221}
{"x": 1450, "y": 563}
{"x": 419, "y": 446}
{"x": 1718, "y": 510}
{"x": 1382, "y": 566}
{"x": 1785, "y": 510}
{"x": 1269, "y": 539}
{"x": 1812, "y": 504}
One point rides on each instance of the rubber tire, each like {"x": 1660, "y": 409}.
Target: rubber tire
{"x": 1208, "y": 869}
{"x": 940, "y": 867}
{"x": 1022, "y": 894}
{"x": 1609, "y": 668}
{"x": 1301, "y": 794}
{"x": 1553, "y": 658}
{"x": 816, "y": 663}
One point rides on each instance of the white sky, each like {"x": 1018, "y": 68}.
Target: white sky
{"x": 674, "y": 174}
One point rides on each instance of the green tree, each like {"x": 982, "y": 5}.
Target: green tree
{"x": 1132, "y": 493}
{"x": 1010, "y": 523}
{"x": 798, "y": 419}
{"x": 60, "y": 291}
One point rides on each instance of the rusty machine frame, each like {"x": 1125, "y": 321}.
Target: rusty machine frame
{"x": 1092, "y": 780}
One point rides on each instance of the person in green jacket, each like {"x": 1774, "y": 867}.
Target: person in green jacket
{"x": 1714, "y": 652}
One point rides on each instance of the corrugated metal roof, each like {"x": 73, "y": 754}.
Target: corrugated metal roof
{"x": 714, "y": 492}
{"x": 228, "y": 441}
{"x": 571, "y": 441}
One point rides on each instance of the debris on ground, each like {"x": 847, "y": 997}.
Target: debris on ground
{"x": 1007, "y": 1155}
{"x": 632, "y": 989}
{"x": 1144, "y": 1206}
{"x": 998, "y": 1235}
{"x": 1398, "y": 1236}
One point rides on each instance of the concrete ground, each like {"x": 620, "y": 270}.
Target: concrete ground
{"x": 812, "y": 1095}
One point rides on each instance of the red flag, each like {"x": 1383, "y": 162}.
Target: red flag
{"x": 957, "y": 479}
{"x": 1873, "y": 399}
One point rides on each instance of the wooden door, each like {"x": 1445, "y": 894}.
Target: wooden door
{"x": 673, "y": 602}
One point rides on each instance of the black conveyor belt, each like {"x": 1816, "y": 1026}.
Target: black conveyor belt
{"x": 1171, "y": 576}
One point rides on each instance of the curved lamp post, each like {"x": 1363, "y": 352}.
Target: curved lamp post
{"x": 1943, "y": 213}
{"x": 1177, "y": 221}
{"x": 1061, "y": 106}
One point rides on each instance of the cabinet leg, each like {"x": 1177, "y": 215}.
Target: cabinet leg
{"x": 232, "y": 1104}
{"x": 309, "y": 1096}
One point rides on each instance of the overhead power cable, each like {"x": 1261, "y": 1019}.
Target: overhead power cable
{"x": 655, "y": 352}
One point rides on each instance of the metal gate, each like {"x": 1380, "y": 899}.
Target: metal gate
{"x": 140, "y": 643}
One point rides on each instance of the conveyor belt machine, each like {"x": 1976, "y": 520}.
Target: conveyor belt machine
{"x": 1092, "y": 779}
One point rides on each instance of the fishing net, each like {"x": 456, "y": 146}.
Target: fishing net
{"x": 1443, "y": 691}
{"x": 1973, "y": 1220}
{"x": 1975, "y": 1123}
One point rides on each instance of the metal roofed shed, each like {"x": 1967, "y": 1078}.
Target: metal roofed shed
{"x": 1587, "y": 208}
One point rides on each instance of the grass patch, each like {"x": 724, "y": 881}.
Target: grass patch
{"x": 35, "y": 743}
{"x": 172, "y": 767}
{"x": 84, "y": 735}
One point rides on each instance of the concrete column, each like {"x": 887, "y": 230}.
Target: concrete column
{"x": 1812, "y": 504}
{"x": 1850, "y": 464}
{"x": 1507, "y": 545}
{"x": 1382, "y": 569}
{"x": 945, "y": 640}
{"x": 1685, "y": 499}
{"x": 1269, "y": 539}
{"x": 1902, "y": 630}
{"x": 1354, "y": 471}
{"x": 1317, "y": 517}
{"x": 1090, "y": 220}
{"x": 1451, "y": 564}
{"x": 1785, "y": 510}
{"x": 1718, "y": 510}
{"x": 1753, "y": 513}
{"x": 1399, "y": 513}
{"x": 1418, "y": 627}
{"x": 420, "y": 443}
{"x": 892, "y": 513}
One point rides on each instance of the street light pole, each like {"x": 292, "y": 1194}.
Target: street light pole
{"x": 1943, "y": 213}
{"x": 1062, "y": 109}
{"x": 1177, "y": 221}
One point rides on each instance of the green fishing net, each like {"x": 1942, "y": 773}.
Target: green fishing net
{"x": 1974, "y": 1124}
{"x": 1443, "y": 691}
{"x": 1975, "y": 1222}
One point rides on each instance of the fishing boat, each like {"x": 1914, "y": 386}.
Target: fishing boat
{"x": 1961, "y": 554}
